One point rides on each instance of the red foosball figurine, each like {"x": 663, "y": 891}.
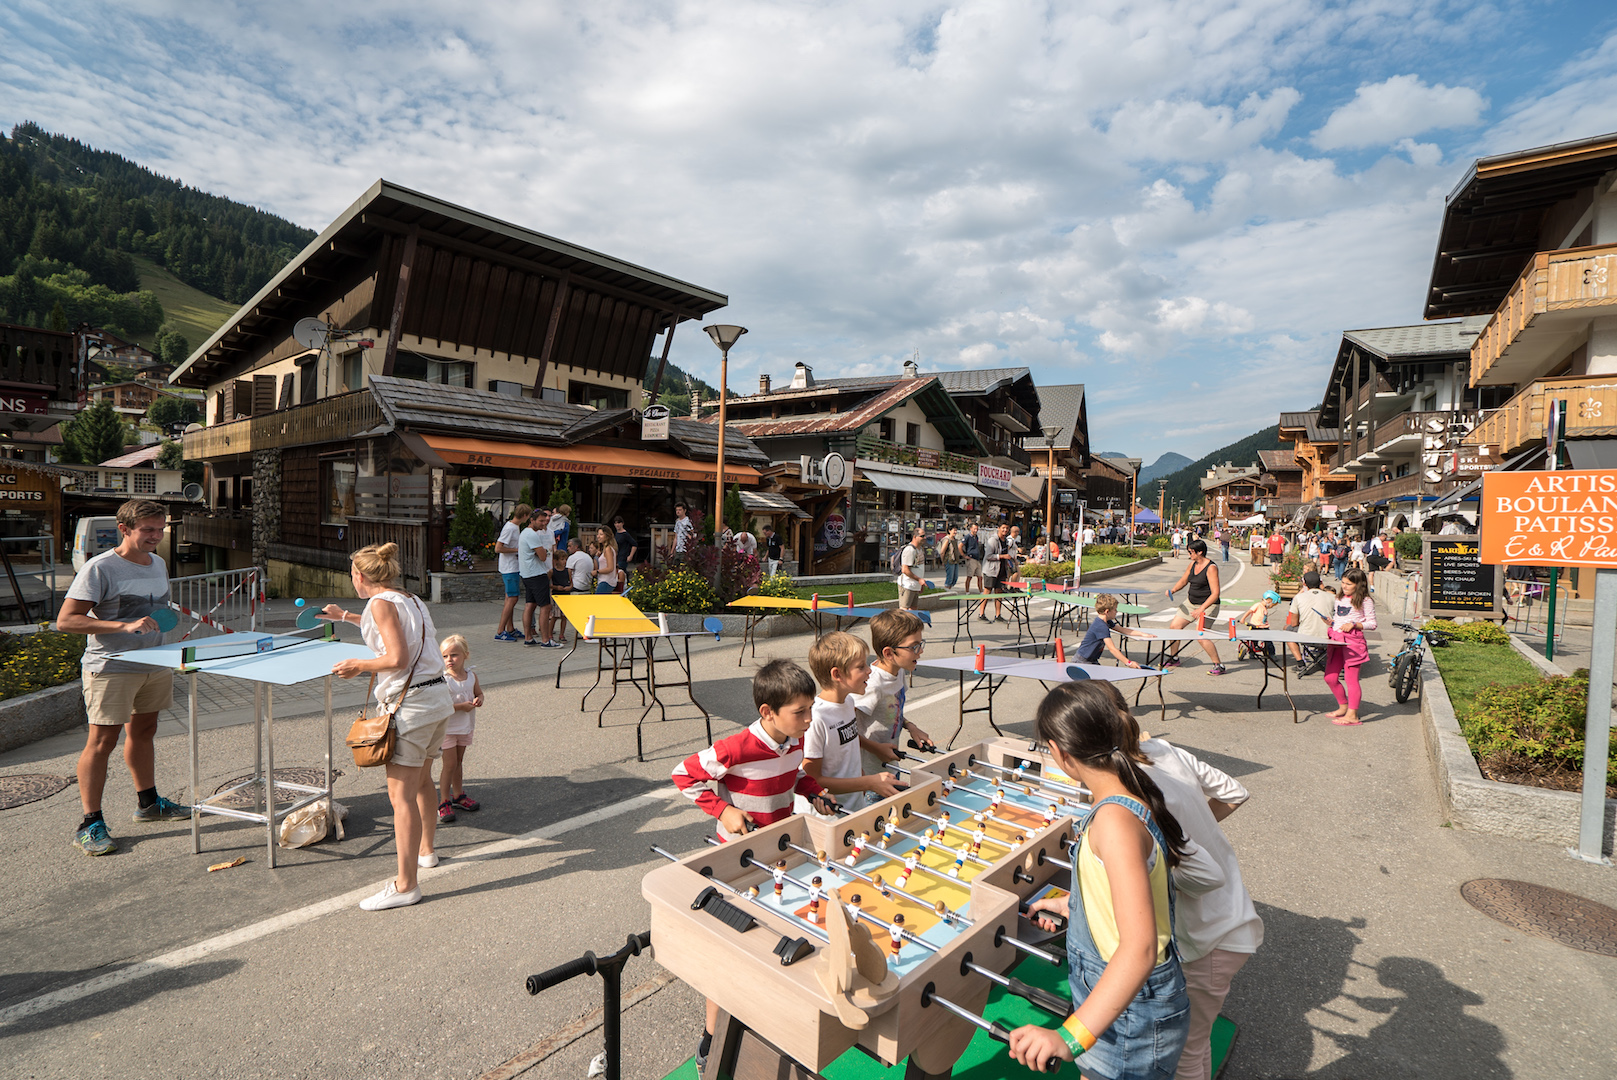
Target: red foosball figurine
{"x": 897, "y": 933}
{"x": 780, "y": 879}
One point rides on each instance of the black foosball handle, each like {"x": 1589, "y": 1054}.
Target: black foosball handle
{"x": 1059, "y": 920}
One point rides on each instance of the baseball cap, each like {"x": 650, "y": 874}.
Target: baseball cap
{"x": 1272, "y": 596}
{"x": 1311, "y": 579}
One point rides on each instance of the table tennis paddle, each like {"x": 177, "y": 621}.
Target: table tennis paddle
{"x": 165, "y": 618}
{"x": 309, "y": 618}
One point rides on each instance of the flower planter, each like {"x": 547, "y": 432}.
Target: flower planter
{"x": 1288, "y": 589}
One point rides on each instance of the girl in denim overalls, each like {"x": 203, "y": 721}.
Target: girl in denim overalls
{"x": 1133, "y": 1012}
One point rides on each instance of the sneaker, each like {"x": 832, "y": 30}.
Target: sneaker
{"x": 390, "y": 897}
{"x": 533, "y": 643}
{"x": 1217, "y": 669}
{"x": 466, "y": 802}
{"x": 163, "y": 810}
{"x": 1172, "y": 661}
{"x": 427, "y": 862}
{"x": 509, "y": 635}
{"x": 553, "y": 645}
{"x": 999, "y": 618}
{"x": 446, "y": 812}
{"x": 94, "y": 839}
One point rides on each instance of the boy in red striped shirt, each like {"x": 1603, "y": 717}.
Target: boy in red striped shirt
{"x": 753, "y": 777}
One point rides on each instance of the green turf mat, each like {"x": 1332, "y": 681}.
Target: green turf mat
{"x": 985, "y": 1057}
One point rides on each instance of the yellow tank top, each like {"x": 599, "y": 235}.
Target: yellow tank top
{"x": 1096, "y": 890}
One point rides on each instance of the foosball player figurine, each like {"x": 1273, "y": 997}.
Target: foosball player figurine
{"x": 1027, "y": 789}
{"x": 1050, "y": 813}
{"x": 943, "y": 824}
{"x": 999, "y": 797}
{"x": 943, "y": 913}
{"x": 853, "y": 907}
{"x": 780, "y": 879}
{"x": 858, "y": 849}
{"x": 977, "y": 835}
{"x": 909, "y": 868}
{"x": 948, "y": 788}
{"x": 825, "y": 862}
{"x": 923, "y": 843}
{"x": 752, "y": 892}
{"x": 886, "y": 833}
{"x": 959, "y": 861}
{"x": 816, "y": 891}
{"x": 881, "y": 886}
{"x": 896, "y": 931}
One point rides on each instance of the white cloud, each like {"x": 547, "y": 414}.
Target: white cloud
{"x": 1382, "y": 113}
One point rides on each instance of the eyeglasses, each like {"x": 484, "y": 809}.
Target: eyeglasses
{"x": 918, "y": 648}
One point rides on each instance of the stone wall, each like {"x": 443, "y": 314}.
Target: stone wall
{"x": 34, "y": 716}
{"x": 266, "y": 505}
{"x": 451, "y": 588}
{"x": 298, "y": 579}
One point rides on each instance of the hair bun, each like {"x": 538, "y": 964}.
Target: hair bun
{"x": 388, "y": 550}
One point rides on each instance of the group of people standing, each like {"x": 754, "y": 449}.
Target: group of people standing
{"x": 538, "y": 558}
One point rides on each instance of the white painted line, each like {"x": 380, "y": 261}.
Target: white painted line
{"x": 287, "y": 920}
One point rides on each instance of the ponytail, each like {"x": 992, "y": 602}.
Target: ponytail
{"x": 1082, "y": 720}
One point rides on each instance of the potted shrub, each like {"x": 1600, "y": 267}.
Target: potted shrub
{"x": 458, "y": 560}
{"x": 1288, "y": 576}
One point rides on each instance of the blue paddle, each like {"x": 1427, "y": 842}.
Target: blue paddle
{"x": 165, "y": 618}
{"x": 309, "y": 618}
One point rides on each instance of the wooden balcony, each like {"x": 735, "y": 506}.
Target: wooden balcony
{"x": 1545, "y": 313}
{"x": 1591, "y": 410}
{"x": 231, "y": 531}
{"x": 1410, "y": 431}
{"x": 893, "y": 453}
{"x": 328, "y": 420}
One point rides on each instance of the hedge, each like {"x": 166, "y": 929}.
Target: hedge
{"x": 38, "y": 661}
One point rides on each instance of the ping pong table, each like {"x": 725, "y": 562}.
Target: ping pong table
{"x": 266, "y": 661}
{"x": 1065, "y": 608}
{"x": 965, "y": 603}
{"x": 1236, "y": 633}
{"x": 991, "y": 670}
{"x": 759, "y": 608}
{"x": 624, "y": 633}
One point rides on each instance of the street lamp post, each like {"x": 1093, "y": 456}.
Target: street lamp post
{"x": 723, "y": 336}
{"x": 1050, "y": 433}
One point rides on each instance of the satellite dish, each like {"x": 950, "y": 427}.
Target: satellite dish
{"x": 192, "y": 492}
{"x": 311, "y": 333}
{"x": 192, "y": 427}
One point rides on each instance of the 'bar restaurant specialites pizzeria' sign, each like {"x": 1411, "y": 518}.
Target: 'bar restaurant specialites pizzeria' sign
{"x": 1564, "y": 518}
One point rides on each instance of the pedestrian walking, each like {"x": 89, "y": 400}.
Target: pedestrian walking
{"x": 996, "y": 571}
{"x": 111, "y": 600}
{"x": 953, "y": 555}
{"x": 684, "y": 528}
{"x": 628, "y": 547}
{"x": 973, "y": 547}
{"x": 1277, "y": 548}
{"x": 1222, "y": 536}
{"x": 772, "y": 551}
{"x": 911, "y": 570}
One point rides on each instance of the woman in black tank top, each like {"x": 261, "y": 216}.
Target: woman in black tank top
{"x": 1200, "y": 582}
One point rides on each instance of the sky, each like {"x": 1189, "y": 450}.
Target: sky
{"x": 1179, "y": 203}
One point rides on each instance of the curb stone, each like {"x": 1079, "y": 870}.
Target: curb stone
{"x": 1478, "y": 804}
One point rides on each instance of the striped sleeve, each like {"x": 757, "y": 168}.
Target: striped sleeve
{"x": 698, "y": 776}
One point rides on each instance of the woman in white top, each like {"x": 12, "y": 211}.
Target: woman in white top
{"x": 399, "y": 629}
{"x": 606, "y": 562}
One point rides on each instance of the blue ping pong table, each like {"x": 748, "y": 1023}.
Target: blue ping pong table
{"x": 997, "y": 668}
{"x": 266, "y": 661}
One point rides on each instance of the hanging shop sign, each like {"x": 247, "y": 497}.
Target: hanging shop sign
{"x": 993, "y": 476}
{"x": 1562, "y": 518}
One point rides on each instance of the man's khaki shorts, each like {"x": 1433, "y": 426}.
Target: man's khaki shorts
{"x": 111, "y": 698}
{"x": 974, "y": 568}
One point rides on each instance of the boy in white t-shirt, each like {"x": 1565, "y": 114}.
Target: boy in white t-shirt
{"x": 841, "y": 666}
{"x": 897, "y": 638}
{"x": 510, "y": 571}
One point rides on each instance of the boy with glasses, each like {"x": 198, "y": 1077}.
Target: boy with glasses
{"x": 896, "y": 637}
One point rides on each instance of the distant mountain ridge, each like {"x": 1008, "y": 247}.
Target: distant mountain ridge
{"x": 1164, "y": 465}
{"x": 1185, "y": 484}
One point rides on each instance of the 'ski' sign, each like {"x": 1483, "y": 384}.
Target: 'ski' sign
{"x": 1564, "y": 518}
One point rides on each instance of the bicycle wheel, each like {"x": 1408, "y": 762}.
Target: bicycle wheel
{"x": 1405, "y": 676}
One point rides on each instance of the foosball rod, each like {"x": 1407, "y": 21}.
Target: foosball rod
{"x": 741, "y": 894}
{"x": 1058, "y": 792}
{"x": 941, "y": 829}
{"x": 988, "y": 815}
{"x": 995, "y": 1030}
{"x": 1015, "y": 774}
{"x": 814, "y": 857}
{"x": 941, "y": 846}
{"x": 931, "y": 871}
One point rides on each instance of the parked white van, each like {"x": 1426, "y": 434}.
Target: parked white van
{"x": 93, "y": 536}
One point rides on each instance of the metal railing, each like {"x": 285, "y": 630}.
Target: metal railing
{"x": 28, "y": 589}
{"x": 327, "y": 420}
{"x": 868, "y": 446}
{"x": 223, "y": 602}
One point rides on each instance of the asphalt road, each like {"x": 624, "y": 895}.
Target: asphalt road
{"x": 143, "y": 964}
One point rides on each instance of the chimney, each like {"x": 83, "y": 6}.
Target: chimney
{"x": 911, "y": 370}
{"x": 763, "y": 384}
{"x": 696, "y": 404}
{"x": 803, "y": 377}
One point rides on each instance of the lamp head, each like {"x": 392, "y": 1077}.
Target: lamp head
{"x": 1050, "y": 433}
{"x": 725, "y": 336}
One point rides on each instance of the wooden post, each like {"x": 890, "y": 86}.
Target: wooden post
{"x": 401, "y": 293}
{"x": 563, "y": 293}
{"x": 668, "y": 340}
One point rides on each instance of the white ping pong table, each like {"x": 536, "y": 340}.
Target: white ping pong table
{"x": 266, "y": 661}
{"x": 1237, "y": 633}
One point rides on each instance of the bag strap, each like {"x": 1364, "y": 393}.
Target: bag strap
{"x": 408, "y": 679}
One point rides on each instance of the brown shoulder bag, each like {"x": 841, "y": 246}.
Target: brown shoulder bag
{"x": 371, "y": 738}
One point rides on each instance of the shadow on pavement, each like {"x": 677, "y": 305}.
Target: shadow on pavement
{"x": 111, "y": 1000}
{"x": 1303, "y": 975}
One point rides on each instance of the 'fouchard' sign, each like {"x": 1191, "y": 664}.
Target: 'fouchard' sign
{"x": 1564, "y": 518}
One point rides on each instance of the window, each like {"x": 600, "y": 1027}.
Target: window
{"x": 601, "y": 397}
{"x": 244, "y": 488}
{"x": 886, "y": 426}
{"x": 309, "y": 382}
{"x": 353, "y": 370}
{"x": 912, "y": 434}
{"x": 117, "y": 480}
{"x": 408, "y": 365}
{"x": 145, "y": 482}
{"x": 336, "y": 491}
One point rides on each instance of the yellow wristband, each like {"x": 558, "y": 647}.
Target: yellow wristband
{"x": 1077, "y": 1037}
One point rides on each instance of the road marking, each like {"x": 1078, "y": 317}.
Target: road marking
{"x": 178, "y": 958}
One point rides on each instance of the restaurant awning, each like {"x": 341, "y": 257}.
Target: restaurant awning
{"x": 920, "y": 485}
{"x": 1024, "y": 490}
{"x": 583, "y": 460}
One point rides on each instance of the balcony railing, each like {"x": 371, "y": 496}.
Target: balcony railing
{"x": 328, "y": 420}
{"x": 1577, "y": 278}
{"x": 1006, "y": 448}
{"x": 219, "y": 530}
{"x": 868, "y": 446}
{"x": 1010, "y": 415}
{"x": 1591, "y": 410}
{"x": 40, "y": 358}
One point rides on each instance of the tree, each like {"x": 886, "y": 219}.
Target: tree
{"x": 463, "y": 530}
{"x": 94, "y": 435}
{"x": 172, "y": 456}
{"x": 167, "y": 410}
{"x": 561, "y": 491}
{"x": 57, "y": 319}
{"x": 172, "y": 346}
{"x": 735, "y": 514}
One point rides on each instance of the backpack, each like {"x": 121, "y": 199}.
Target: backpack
{"x": 896, "y": 562}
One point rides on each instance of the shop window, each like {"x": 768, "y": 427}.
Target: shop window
{"x": 336, "y": 490}
{"x": 601, "y": 397}
{"x": 912, "y": 434}
{"x": 146, "y": 483}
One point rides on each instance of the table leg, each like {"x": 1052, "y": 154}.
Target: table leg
{"x": 1285, "y": 685}
{"x": 196, "y": 799}
{"x": 331, "y": 811}
{"x": 1162, "y": 701}
{"x": 258, "y": 746}
{"x": 1265, "y": 685}
{"x": 269, "y": 776}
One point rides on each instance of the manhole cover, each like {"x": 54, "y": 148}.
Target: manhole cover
{"x": 1560, "y": 916}
{"x": 250, "y": 795}
{"x": 25, "y": 788}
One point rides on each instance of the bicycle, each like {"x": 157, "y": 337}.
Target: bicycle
{"x": 1405, "y": 674}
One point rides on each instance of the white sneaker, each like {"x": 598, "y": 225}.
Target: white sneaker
{"x": 427, "y": 862}
{"x": 390, "y": 897}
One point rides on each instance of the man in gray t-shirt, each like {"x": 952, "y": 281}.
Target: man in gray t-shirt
{"x": 994, "y": 549}
{"x": 112, "y": 600}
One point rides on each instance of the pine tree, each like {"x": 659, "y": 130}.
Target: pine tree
{"x": 561, "y": 491}
{"x": 463, "y": 531}
{"x": 94, "y": 435}
{"x": 735, "y": 514}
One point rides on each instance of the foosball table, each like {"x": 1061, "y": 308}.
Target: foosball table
{"x": 884, "y": 929}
